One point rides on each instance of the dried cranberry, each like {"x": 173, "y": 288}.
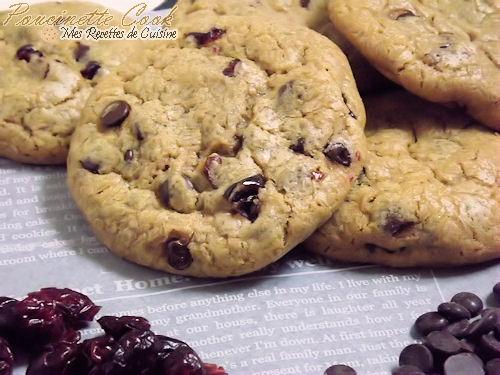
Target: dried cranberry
{"x": 8, "y": 315}
{"x": 395, "y": 225}
{"x": 6, "y": 358}
{"x": 244, "y": 196}
{"x": 119, "y": 326}
{"x": 75, "y": 307}
{"x": 177, "y": 358}
{"x": 25, "y": 53}
{"x": 212, "y": 162}
{"x": 202, "y": 39}
{"x": 59, "y": 359}
{"x": 230, "y": 71}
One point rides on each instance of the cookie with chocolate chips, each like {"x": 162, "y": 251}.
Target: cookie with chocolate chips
{"x": 428, "y": 195}
{"x": 446, "y": 51}
{"x": 311, "y": 13}
{"x": 45, "y": 81}
{"x": 216, "y": 154}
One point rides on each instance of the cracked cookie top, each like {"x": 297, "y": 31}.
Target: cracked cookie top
{"x": 44, "y": 83}
{"x": 429, "y": 193}
{"x": 446, "y": 51}
{"x": 216, "y": 154}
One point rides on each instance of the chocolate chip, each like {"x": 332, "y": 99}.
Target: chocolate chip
{"x": 90, "y": 70}
{"x": 25, "y": 53}
{"x": 417, "y": 355}
{"x": 238, "y": 145}
{"x": 164, "y": 194}
{"x": 299, "y": 146}
{"x": 128, "y": 156}
{"x": 138, "y": 133}
{"x": 397, "y": 14}
{"x": 463, "y": 364}
{"x": 429, "y": 322}
{"x": 230, "y": 71}
{"x": 458, "y": 329}
{"x": 496, "y": 292}
{"x": 442, "y": 342}
{"x": 244, "y": 196}
{"x": 340, "y": 370}
{"x": 453, "y": 311}
{"x": 178, "y": 254}
{"x": 467, "y": 346}
{"x": 351, "y": 113}
{"x": 90, "y": 166}
{"x": 483, "y": 325}
{"x": 338, "y": 152}
{"x": 212, "y": 162}
{"x": 396, "y": 225}
{"x": 407, "y": 370}
{"x": 115, "y": 114}
{"x": 470, "y": 301}
{"x": 493, "y": 367}
{"x": 304, "y": 3}
{"x": 80, "y": 51}
{"x": 202, "y": 39}
{"x": 490, "y": 345}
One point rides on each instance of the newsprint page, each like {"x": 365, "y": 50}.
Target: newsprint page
{"x": 298, "y": 316}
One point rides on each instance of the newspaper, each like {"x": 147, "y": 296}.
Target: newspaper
{"x": 298, "y": 316}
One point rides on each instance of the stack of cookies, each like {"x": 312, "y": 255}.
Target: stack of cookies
{"x": 217, "y": 153}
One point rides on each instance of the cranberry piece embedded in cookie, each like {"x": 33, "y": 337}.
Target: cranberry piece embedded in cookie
{"x": 338, "y": 152}
{"x": 178, "y": 253}
{"x": 397, "y": 14}
{"x": 90, "y": 70}
{"x": 212, "y": 162}
{"x": 25, "y": 53}
{"x": 244, "y": 196}
{"x": 119, "y": 326}
{"x": 115, "y": 114}
{"x": 318, "y": 175}
{"x": 80, "y": 51}
{"x": 230, "y": 71}
{"x": 90, "y": 166}
{"x": 202, "y": 39}
{"x": 395, "y": 225}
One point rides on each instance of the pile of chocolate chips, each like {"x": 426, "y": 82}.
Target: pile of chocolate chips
{"x": 460, "y": 338}
{"x": 45, "y": 326}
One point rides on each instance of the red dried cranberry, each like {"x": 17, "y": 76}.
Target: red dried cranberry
{"x": 75, "y": 307}
{"x": 244, "y": 196}
{"x": 230, "y": 71}
{"x": 202, "y": 39}
{"x": 8, "y": 315}
{"x": 6, "y": 358}
{"x": 211, "y": 369}
{"x": 119, "y": 326}
{"x": 97, "y": 350}
{"x": 395, "y": 225}
{"x": 59, "y": 359}
{"x": 177, "y": 358}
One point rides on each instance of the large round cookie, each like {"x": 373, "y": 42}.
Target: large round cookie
{"x": 44, "y": 83}
{"x": 216, "y": 158}
{"x": 446, "y": 51}
{"x": 311, "y": 13}
{"x": 429, "y": 193}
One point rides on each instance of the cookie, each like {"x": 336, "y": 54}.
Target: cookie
{"x": 444, "y": 51}
{"x": 44, "y": 83}
{"x": 312, "y": 13}
{"x": 216, "y": 154}
{"x": 429, "y": 193}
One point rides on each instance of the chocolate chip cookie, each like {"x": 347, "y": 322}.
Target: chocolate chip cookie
{"x": 44, "y": 83}
{"x": 216, "y": 154}
{"x": 311, "y": 13}
{"x": 446, "y": 51}
{"x": 429, "y": 192}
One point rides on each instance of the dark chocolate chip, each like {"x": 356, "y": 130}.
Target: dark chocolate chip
{"x": 238, "y": 144}
{"x": 164, "y": 194}
{"x": 128, "y": 156}
{"x": 442, "y": 342}
{"x": 299, "y": 146}
{"x": 202, "y": 39}
{"x": 80, "y": 51}
{"x": 230, "y": 71}
{"x": 490, "y": 345}
{"x": 496, "y": 292}
{"x": 396, "y": 225}
{"x": 90, "y": 70}
{"x": 25, "y": 53}
{"x": 407, "y": 370}
{"x": 493, "y": 367}
{"x": 212, "y": 162}
{"x": 304, "y": 3}
{"x": 453, "y": 311}
{"x": 338, "y": 152}
{"x": 351, "y": 113}
{"x": 458, "y": 329}
{"x": 340, "y": 370}
{"x": 115, "y": 114}
{"x": 90, "y": 166}
{"x": 138, "y": 133}
{"x": 244, "y": 196}
{"x": 468, "y": 346}
{"x": 463, "y": 364}
{"x": 482, "y": 325}
{"x": 178, "y": 253}
{"x": 470, "y": 301}
{"x": 397, "y": 14}
{"x": 417, "y": 355}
